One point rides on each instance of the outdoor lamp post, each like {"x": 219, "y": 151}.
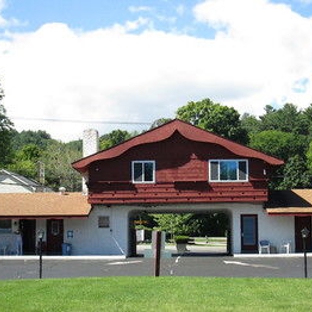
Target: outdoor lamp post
{"x": 40, "y": 236}
{"x": 305, "y": 233}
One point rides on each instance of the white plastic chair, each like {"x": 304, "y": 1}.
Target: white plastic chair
{"x": 285, "y": 247}
{"x": 3, "y": 249}
{"x": 264, "y": 245}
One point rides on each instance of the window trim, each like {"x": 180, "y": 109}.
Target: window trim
{"x": 142, "y": 162}
{"x": 237, "y": 170}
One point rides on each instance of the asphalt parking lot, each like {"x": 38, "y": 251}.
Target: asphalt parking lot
{"x": 211, "y": 265}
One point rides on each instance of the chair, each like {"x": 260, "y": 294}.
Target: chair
{"x": 285, "y": 247}
{"x": 264, "y": 245}
{"x": 3, "y": 249}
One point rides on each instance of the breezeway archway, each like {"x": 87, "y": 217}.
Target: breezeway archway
{"x": 197, "y": 210}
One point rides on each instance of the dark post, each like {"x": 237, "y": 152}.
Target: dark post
{"x": 157, "y": 253}
{"x": 40, "y": 235}
{"x": 305, "y": 233}
{"x": 40, "y": 258}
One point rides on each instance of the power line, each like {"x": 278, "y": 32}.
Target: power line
{"x": 84, "y": 121}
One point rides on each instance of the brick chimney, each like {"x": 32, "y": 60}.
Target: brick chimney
{"x": 90, "y": 145}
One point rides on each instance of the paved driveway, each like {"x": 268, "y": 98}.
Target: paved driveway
{"x": 175, "y": 266}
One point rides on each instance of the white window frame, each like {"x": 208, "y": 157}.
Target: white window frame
{"x": 237, "y": 161}
{"x": 143, "y": 173}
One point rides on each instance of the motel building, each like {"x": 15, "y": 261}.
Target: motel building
{"x": 175, "y": 168}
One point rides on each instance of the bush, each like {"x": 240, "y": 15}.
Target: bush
{"x": 181, "y": 239}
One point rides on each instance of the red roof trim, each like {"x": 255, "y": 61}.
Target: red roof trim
{"x": 167, "y": 130}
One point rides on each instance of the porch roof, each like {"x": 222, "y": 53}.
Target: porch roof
{"x": 43, "y": 205}
{"x": 292, "y": 203}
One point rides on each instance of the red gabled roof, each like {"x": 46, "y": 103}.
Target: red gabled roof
{"x": 167, "y": 130}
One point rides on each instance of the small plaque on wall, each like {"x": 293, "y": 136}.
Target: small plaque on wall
{"x": 103, "y": 222}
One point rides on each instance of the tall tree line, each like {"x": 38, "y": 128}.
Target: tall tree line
{"x": 285, "y": 133}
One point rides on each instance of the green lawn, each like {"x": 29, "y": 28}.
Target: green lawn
{"x": 156, "y": 294}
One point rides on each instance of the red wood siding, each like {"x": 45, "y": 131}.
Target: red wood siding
{"x": 181, "y": 176}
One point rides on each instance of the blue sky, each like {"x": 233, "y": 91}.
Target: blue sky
{"x": 141, "y": 60}
{"x": 167, "y": 15}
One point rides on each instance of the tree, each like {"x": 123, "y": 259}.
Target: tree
{"x": 309, "y": 157}
{"x": 222, "y": 120}
{"x": 6, "y": 131}
{"x": 25, "y": 161}
{"x": 39, "y": 138}
{"x": 280, "y": 144}
{"x": 296, "y": 174}
{"x": 250, "y": 124}
{"x": 175, "y": 224}
{"x": 57, "y": 159}
{"x": 308, "y": 116}
{"x": 286, "y": 119}
{"x": 113, "y": 138}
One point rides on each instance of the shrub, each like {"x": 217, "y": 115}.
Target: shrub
{"x": 182, "y": 239}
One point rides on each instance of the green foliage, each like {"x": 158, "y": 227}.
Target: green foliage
{"x": 296, "y": 174}
{"x": 250, "y": 124}
{"x": 309, "y": 157}
{"x": 113, "y": 138}
{"x": 6, "y": 133}
{"x": 279, "y": 144}
{"x": 25, "y": 161}
{"x": 175, "y": 224}
{"x": 210, "y": 224}
{"x": 287, "y": 119}
{"x": 57, "y": 159}
{"x": 39, "y": 138}
{"x": 222, "y": 120}
{"x": 181, "y": 239}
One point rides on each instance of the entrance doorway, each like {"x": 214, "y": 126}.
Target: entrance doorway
{"x": 28, "y": 229}
{"x": 249, "y": 233}
{"x": 300, "y": 224}
{"x": 55, "y": 236}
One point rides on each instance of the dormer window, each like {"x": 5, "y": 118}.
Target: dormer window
{"x": 228, "y": 170}
{"x": 143, "y": 171}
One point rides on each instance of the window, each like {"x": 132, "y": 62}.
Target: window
{"x": 143, "y": 171}
{"x": 103, "y": 222}
{"x": 5, "y": 226}
{"x": 228, "y": 170}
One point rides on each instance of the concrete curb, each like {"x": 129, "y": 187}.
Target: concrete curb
{"x": 284, "y": 255}
{"x": 44, "y": 258}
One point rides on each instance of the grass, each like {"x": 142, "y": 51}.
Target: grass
{"x": 156, "y": 294}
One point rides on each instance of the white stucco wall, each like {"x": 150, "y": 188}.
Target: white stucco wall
{"x": 273, "y": 228}
{"x": 89, "y": 239}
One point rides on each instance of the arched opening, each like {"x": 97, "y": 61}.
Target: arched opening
{"x": 209, "y": 231}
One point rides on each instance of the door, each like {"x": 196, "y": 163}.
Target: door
{"x": 249, "y": 233}
{"x": 301, "y": 223}
{"x": 28, "y": 229}
{"x": 55, "y": 236}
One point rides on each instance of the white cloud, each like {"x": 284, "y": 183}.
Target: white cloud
{"x": 262, "y": 53}
{"x": 135, "y": 9}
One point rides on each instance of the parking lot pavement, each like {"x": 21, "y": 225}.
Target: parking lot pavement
{"x": 213, "y": 266}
